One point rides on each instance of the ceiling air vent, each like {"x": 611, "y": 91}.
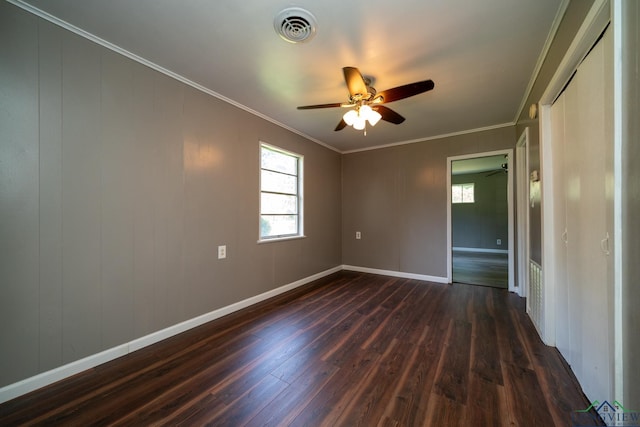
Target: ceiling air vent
{"x": 295, "y": 25}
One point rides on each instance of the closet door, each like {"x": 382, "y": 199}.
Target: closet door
{"x": 582, "y": 148}
{"x": 558, "y": 142}
{"x": 591, "y": 223}
{"x": 574, "y": 152}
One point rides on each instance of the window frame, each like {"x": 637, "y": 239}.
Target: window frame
{"x": 462, "y": 185}
{"x": 299, "y": 188}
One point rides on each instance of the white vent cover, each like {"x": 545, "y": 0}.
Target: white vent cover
{"x": 295, "y": 25}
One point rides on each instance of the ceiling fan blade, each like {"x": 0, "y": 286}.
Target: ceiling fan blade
{"x": 341, "y": 125}
{"x": 388, "y": 114}
{"x": 494, "y": 172}
{"x": 404, "y": 91}
{"x": 313, "y": 107}
{"x": 355, "y": 82}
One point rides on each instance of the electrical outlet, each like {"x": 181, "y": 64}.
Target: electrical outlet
{"x": 498, "y": 242}
{"x": 358, "y": 235}
{"x": 222, "y": 252}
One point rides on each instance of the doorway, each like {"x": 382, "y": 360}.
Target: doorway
{"x": 480, "y": 219}
{"x": 522, "y": 217}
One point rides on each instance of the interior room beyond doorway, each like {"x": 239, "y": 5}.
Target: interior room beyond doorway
{"x": 479, "y": 221}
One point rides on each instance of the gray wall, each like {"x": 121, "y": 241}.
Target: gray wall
{"x": 397, "y": 198}
{"x": 479, "y": 224}
{"x": 631, "y": 202}
{"x": 117, "y": 184}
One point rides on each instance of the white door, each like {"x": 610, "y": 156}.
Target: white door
{"x": 573, "y": 153}
{"x": 559, "y": 142}
{"x": 596, "y": 289}
{"x": 582, "y": 142}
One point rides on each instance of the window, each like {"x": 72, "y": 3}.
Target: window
{"x": 462, "y": 193}
{"x": 280, "y": 193}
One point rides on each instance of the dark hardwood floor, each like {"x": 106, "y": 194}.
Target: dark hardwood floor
{"x": 481, "y": 268}
{"x": 350, "y": 349}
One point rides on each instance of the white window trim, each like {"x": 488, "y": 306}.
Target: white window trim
{"x": 300, "y": 157}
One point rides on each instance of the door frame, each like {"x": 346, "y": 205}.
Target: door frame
{"x": 522, "y": 214}
{"x": 510, "y": 225}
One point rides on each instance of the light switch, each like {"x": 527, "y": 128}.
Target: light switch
{"x": 358, "y": 235}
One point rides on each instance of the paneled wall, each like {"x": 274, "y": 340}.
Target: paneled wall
{"x": 117, "y": 184}
{"x": 397, "y": 198}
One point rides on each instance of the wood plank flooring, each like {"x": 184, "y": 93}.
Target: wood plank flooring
{"x": 351, "y": 349}
{"x": 481, "y": 268}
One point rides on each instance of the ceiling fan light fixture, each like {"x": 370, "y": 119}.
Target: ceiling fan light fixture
{"x": 364, "y": 111}
{"x": 360, "y": 123}
{"x": 362, "y": 114}
{"x": 370, "y": 115}
{"x": 350, "y": 117}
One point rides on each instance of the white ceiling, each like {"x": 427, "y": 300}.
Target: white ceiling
{"x": 481, "y": 54}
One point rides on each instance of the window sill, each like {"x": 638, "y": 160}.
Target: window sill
{"x": 281, "y": 239}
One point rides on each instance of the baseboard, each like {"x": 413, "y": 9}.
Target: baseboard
{"x": 489, "y": 251}
{"x": 44, "y": 379}
{"x": 404, "y": 275}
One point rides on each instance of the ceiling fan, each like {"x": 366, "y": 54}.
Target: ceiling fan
{"x": 504, "y": 168}
{"x": 367, "y": 102}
